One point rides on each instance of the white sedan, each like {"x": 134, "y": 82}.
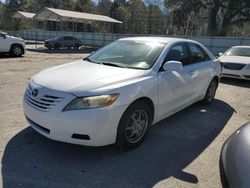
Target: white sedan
{"x": 115, "y": 94}
{"x": 236, "y": 62}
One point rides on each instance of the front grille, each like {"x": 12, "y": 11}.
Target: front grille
{"x": 233, "y": 66}
{"x": 44, "y": 102}
{"x": 231, "y": 75}
{"x": 246, "y": 76}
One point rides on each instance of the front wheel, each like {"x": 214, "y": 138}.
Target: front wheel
{"x": 133, "y": 126}
{"x": 16, "y": 51}
{"x": 211, "y": 90}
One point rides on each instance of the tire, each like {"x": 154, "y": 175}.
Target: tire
{"x": 211, "y": 91}
{"x": 49, "y": 46}
{"x": 131, "y": 131}
{"x": 76, "y": 46}
{"x": 56, "y": 46}
{"x": 16, "y": 50}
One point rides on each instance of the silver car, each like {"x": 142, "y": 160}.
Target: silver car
{"x": 235, "y": 159}
{"x": 63, "y": 41}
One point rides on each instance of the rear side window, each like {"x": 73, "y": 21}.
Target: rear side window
{"x": 197, "y": 53}
{"x": 178, "y": 53}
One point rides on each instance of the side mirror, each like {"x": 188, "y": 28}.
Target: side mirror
{"x": 220, "y": 54}
{"x": 172, "y": 66}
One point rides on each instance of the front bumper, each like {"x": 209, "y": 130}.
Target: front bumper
{"x": 92, "y": 127}
{"x": 240, "y": 74}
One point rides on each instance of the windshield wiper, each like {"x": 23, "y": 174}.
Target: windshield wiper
{"x": 113, "y": 64}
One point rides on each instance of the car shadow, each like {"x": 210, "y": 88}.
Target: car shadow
{"x": 87, "y": 49}
{"x": 32, "y": 160}
{"x": 236, "y": 82}
{"x": 8, "y": 56}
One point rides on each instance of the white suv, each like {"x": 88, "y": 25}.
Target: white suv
{"x": 13, "y": 45}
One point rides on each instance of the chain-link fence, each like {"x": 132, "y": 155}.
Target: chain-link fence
{"x": 214, "y": 44}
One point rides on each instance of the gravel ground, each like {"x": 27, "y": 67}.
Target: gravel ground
{"x": 180, "y": 151}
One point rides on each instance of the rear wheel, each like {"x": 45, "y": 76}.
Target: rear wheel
{"x": 56, "y": 46}
{"x": 16, "y": 50}
{"x": 211, "y": 90}
{"x": 133, "y": 126}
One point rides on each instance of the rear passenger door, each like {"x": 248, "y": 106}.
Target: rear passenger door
{"x": 67, "y": 41}
{"x": 200, "y": 68}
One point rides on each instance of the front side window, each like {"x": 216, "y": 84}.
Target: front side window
{"x": 197, "y": 53}
{"x": 178, "y": 53}
{"x": 129, "y": 54}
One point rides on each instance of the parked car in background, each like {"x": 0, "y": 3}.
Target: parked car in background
{"x": 235, "y": 159}
{"x": 115, "y": 94}
{"x": 13, "y": 45}
{"x": 63, "y": 41}
{"x": 236, "y": 62}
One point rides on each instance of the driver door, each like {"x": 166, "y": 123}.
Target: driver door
{"x": 175, "y": 88}
{"x": 4, "y": 44}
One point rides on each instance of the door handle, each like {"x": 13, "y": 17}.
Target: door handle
{"x": 193, "y": 73}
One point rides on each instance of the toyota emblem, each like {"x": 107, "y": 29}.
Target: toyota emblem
{"x": 34, "y": 92}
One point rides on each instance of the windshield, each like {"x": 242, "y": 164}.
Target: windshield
{"x": 128, "y": 54}
{"x": 238, "y": 51}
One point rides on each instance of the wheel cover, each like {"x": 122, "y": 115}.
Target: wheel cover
{"x": 211, "y": 91}
{"x": 137, "y": 126}
{"x": 17, "y": 51}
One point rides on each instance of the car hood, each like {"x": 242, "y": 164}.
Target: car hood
{"x": 235, "y": 59}
{"x": 84, "y": 77}
{"x": 14, "y": 38}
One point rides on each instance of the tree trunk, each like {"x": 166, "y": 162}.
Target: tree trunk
{"x": 212, "y": 28}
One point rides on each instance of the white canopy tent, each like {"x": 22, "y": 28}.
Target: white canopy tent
{"x": 24, "y": 15}
{"x": 52, "y": 14}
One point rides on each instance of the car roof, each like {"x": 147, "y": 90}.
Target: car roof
{"x": 157, "y": 39}
{"x": 240, "y": 46}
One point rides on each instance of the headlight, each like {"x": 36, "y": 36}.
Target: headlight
{"x": 81, "y": 103}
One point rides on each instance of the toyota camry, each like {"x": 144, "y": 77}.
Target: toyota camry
{"x": 115, "y": 94}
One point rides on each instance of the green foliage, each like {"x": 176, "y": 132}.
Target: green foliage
{"x": 182, "y": 17}
{"x": 217, "y": 16}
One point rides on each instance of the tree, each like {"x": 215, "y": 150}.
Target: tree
{"x": 120, "y": 12}
{"x": 220, "y": 14}
{"x": 138, "y": 16}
